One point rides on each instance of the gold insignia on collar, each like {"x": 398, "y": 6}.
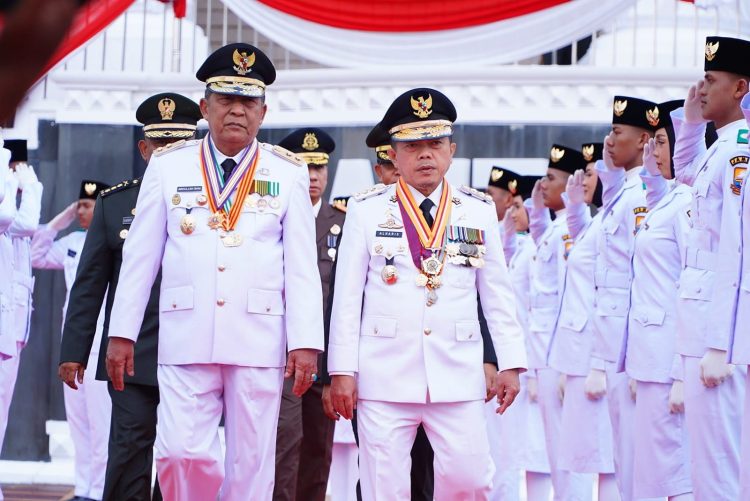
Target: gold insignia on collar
{"x": 422, "y": 107}
{"x": 89, "y": 188}
{"x": 588, "y": 152}
{"x": 653, "y": 116}
{"x": 310, "y": 142}
{"x": 711, "y": 50}
{"x": 166, "y": 108}
{"x": 619, "y": 107}
{"x": 496, "y": 174}
{"x": 556, "y": 155}
{"x": 513, "y": 186}
{"x": 243, "y": 62}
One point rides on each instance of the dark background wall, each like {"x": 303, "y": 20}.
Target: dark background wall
{"x": 69, "y": 153}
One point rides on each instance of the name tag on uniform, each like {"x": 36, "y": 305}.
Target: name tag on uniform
{"x": 189, "y": 189}
{"x": 72, "y": 253}
{"x": 127, "y": 220}
{"x": 388, "y": 234}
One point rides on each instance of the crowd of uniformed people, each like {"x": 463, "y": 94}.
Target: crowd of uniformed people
{"x": 580, "y": 333}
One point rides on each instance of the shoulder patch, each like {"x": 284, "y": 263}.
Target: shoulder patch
{"x": 119, "y": 187}
{"x": 739, "y": 168}
{"x": 640, "y": 210}
{"x": 370, "y": 192}
{"x": 174, "y": 146}
{"x": 285, "y": 154}
{"x": 473, "y": 192}
{"x": 742, "y": 136}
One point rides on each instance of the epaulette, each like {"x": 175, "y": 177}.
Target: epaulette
{"x": 285, "y": 154}
{"x": 174, "y": 146}
{"x": 340, "y": 203}
{"x": 128, "y": 183}
{"x": 370, "y": 192}
{"x": 473, "y": 192}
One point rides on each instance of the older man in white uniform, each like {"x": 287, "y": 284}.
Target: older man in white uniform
{"x": 411, "y": 353}
{"x": 231, "y": 223}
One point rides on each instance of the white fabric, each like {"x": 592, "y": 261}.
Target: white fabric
{"x": 342, "y": 481}
{"x": 438, "y": 349}
{"x": 8, "y": 376}
{"x": 585, "y": 431}
{"x": 316, "y": 207}
{"x": 661, "y": 452}
{"x": 714, "y": 419}
{"x": 228, "y": 305}
{"x": 188, "y": 451}
{"x": 492, "y": 43}
{"x": 745, "y": 441}
{"x": 505, "y": 442}
{"x": 457, "y": 433}
{"x": 8, "y": 345}
{"x": 622, "y": 417}
{"x": 343, "y": 433}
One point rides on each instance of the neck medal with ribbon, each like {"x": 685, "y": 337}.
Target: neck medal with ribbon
{"x": 225, "y": 212}
{"x": 425, "y": 243}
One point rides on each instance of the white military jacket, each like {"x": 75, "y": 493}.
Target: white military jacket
{"x": 716, "y": 176}
{"x": 519, "y": 269}
{"x": 8, "y": 189}
{"x": 621, "y": 218}
{"x": 658, "y": 257}
{"x": 222, "y": 305}
{"x": 401, "y": 349}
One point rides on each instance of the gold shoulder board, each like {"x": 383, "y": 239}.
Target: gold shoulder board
{"x": 285, "y": 154}
{"x": 370, "y": 192}
{"x": 473, "y": 192}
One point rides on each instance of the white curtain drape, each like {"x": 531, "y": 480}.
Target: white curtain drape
{"x": 494, "y": 43}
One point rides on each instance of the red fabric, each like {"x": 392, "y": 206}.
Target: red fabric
{"x": 408, "y": 15}
{"x": 90, "y": 20}
{"x": 179, "y": 6}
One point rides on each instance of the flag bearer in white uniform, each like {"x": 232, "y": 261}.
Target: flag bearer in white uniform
{"x": 87, "y": 410}
{"x": 411, "y": 352}
{"x": 231, "y": 224}
{"x": 585, "y": 429}
{"x": 525, "y": 432}
{"x": 661, "y": 450}
{"x": 713, "y": 388}
{"x": 552, "y": 240}
{"x": 733, "y": 278}
{"x": 633, "y": 122}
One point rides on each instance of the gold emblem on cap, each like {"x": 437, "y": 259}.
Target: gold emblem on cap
{"x": 243, "y": 62}
{"x": 166, "y": 108}
{"x": 89, "y": 188}
{"x": 653, "y": 116}
{"x": 556, "y": 154}
{"x": 496, "y": 174}
{"x": 711, "y": 50}
{"x": 422, "y": 107}
{"x": 619, "y": 107}
{"x": 588, "y": 152}
{"x": 513, "y": 186}
{"x": 310, "y": 142}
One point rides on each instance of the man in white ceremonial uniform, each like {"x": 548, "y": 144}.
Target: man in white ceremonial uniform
{"x": 552, "y": 240}
{"x": 633, "y": 122}
{"x": 412, "y": 352}
{"x": 239, "y": 286}
{"x": 713, "y": 388}
{"x": 88, "y": 410}
{"x": 585, "y": 429}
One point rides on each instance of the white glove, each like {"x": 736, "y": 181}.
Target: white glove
{"x": 536, "y": 195}
{"x": 633, "y": 387}
{"x": 714, "y": 368}
{"x": 65, "y": 218}
{"x": 4, "y": 157}
{"x": 574, "y": 188}
{"x": 561, "y": 387}
{"x": 606, "y": 157}
{"x": 25, "y": 175}
{"x": 649, "y": 161}
{"x": 509, "y": 226}
{"x": 677, "y": 397}
{"x": 692, "y": 106}
{"x": 595, "y": 385}
{"x": 532, "y": 388}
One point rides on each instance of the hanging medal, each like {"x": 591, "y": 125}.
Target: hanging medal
{"x": 389, "y": 273}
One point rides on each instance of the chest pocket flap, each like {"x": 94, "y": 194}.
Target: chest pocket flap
{"x": 265, "y": 302}
{"x": 612, "y": 303}
{"x": 176, "y": 298}
{"x": 574, "y": 321}
{"x": 379, "y": 327}
{"x": 649, "y": 316}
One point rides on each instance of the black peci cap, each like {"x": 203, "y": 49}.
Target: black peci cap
{"x": 637, "y": 112}
{"x": 90, "y": 189}
{"x": 727, "y": 54}
{"x": 665, "y": 110}
{"x": 592, "y": 151}
{"x": 18, "y": 150}
{"x": 379, "y": 139}
{"x": 565, "y": 159}
{"x": 237, "y": 69}
{"x": 420, "y": 114}
{"x": 526, "y": 184}
{"x": 312, "y": 144}
{"x": 505, "y": 179}
{"x": 168, "y": 115}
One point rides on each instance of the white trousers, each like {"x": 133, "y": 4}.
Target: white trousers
{"x": 585, "y": 431}
{"x": 661, "y": 449}
{"x": 188, "y": 451}
{"x": 342, "y": 481}
{"x": 88, "y": 411}
{"x": 457, "y": 432}
{"x": 8, "y": 376}
{"x": 745, "y": 444}
{"x": 567, "y": 486}
{"x": 503, "y": 433}
{"x": 714, "y": 420}
{"x": 622, "y": 416}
